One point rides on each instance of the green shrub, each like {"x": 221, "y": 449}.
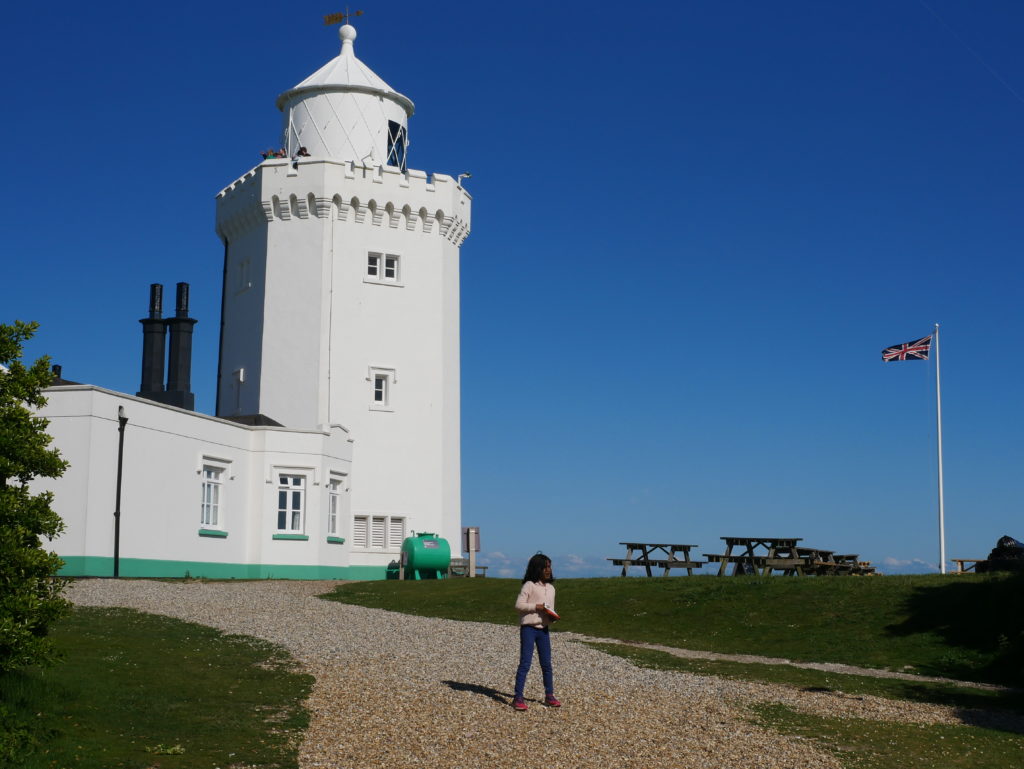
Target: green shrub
{"x": 30, "y": 593}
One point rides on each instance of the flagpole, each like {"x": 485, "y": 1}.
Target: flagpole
{"x": 938, "y": 422}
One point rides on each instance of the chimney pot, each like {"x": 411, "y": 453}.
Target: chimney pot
{"x": 156, "y": 300}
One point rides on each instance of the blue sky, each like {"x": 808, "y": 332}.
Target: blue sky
{"x": 696, "y": 225}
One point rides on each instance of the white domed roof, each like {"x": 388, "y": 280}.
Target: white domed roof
{"x": 346, "y": 73}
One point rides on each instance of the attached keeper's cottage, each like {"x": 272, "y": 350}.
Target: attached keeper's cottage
{"x": 337, "y": 426}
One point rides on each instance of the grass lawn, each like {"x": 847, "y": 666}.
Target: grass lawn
{"x": 861, "y": 744}
{"x": 890, "y": 688}
{"x": 969, "y": 627}
{"x": 139, "y": 690}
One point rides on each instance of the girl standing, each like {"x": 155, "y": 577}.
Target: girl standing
{"x": 533, "y": 604}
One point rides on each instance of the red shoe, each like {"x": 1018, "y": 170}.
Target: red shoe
{"x": 519, "y": 704}
{"x": 551, "y": 702}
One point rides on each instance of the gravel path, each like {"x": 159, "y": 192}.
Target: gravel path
{"x": 397, "y": 690}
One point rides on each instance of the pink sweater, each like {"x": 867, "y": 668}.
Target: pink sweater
{"x": 532, "y": 594}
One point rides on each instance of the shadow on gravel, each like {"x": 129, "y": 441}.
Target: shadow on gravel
{"x": 494, "y": 694}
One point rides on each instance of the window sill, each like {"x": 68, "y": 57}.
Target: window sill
{"x": 381, "y": 408}
{"x": 336, "y": 540}
{"x": 392, "y": 283}
{"x": 299, "y": 537}
{"x": 213, "y": 533}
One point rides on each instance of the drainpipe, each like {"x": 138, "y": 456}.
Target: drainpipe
{"x": 122, "y": 421}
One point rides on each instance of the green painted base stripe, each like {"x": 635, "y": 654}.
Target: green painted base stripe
{"x": 101, "y": 566}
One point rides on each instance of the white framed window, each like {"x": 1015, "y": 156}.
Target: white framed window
{"x": 383, "y": 268}
{"x": 359, "y": 531}
{"x": 212, "y": 495}
{"x": 335, "y": 487}
{"x": 382, "y": 382}
{"x": 396, "y": 531}
{"x": 291, "y": 503}
{"x": 378, "y": 532}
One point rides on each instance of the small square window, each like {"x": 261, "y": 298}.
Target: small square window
{"x": 385, "y": 269}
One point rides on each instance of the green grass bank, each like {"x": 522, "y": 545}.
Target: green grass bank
{"x": 968, "y": 627}
{"x": 138, "y": 690}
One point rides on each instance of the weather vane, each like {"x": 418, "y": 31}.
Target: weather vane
{"x": 339, "y": 18}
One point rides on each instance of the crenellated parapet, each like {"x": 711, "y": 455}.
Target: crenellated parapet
{"x": 281, "y": 190}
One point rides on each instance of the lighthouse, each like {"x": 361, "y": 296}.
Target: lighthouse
{"x": 341, "y": 300}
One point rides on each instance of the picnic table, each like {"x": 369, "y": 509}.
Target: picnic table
{"x": 759, "y": 555}
{"x": 820, "y": 562}
{"x": 658, "y": 555}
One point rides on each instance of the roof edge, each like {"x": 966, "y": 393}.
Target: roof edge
{"x": 403, "y": 101}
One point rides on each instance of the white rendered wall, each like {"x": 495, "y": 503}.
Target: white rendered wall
{"x": 322, "y": 315}
{"x": 164, "y": 453}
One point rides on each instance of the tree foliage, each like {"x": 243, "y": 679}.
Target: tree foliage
{"x": 30, "y": 593}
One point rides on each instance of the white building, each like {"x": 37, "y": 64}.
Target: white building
{"x": 337, "y": 428}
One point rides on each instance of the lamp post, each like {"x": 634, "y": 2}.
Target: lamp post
{"x": 122, "y": 421}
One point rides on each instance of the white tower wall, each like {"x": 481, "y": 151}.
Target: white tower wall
{"x": 305, "y": 231}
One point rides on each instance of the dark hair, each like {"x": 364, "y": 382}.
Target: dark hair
{"x": 535, "y": 568}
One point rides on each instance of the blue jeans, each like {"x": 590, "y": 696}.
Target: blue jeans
{"x": 528, "y": 638}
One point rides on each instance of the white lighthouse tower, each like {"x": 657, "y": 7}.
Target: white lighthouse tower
{"x": 341, "y": 301}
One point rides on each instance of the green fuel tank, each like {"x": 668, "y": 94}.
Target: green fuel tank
{"x": 426, "y": 556}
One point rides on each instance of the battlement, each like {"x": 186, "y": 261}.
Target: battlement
{"x": 285, "y": 190}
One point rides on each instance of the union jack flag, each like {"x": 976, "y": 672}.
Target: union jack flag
{"x": 916, "y": 350}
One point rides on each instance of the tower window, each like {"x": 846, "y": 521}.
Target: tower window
{"x": 382, "y": 382}
{"x": 397, "y": 143}
{"x": 383, "y": 268}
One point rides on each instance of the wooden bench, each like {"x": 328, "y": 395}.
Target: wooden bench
{"x": 657, "y": 563}
{"x": 459, "y": 567}
{"x": 755, "y": 562}
{"x": 962, "y": 568}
